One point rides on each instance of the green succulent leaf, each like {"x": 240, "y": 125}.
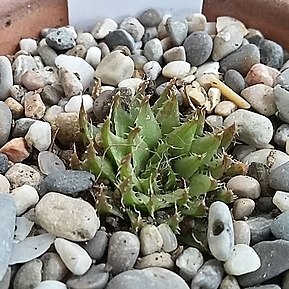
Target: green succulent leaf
{"x": 228, "y": 137}
{"x": 200, "y": 117}
{"x": 201, "y": 183}
{"x": 195, "y": 208}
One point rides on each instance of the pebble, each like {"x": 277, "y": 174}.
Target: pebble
{"x": 153, "y": 278}
{"x": 31, "y": 248}
{"x": 8, "y": 217}
{"x": 29, "y": 275}
{"x": 78, "y": 50}
{"x": 242, "y": 261}
{"x": 209, "y": 276}
{"x": 177, "y": 29}
{"x": 5, "y": 122}
{"x": 162, "y": 260}
{"x": 133, "y": 27}
{"x": 76, "y": 65}
{"x": 96, "y": 278}
{"x": 271, "y": 53}
{"x": 51, "y": 284}
{"x": 33, "y": 79}
{"x": 282, "y": 135}
{"x": 271, "y": 286}
{"x": 162, "y": 30}
{"x": 152, "y": 69}
{"x": 34, "y": 106}
{"x": 119, "y": 37}
{"x": 252, "y": 128}
{"x": 16, "y": 108}
{"x": 24, "y": 197}
{"x": 271, "y": 254}
{"x": 93, "y": 56}
{"x": 189, "y": 262}
{"x": 6, "y": 77}
{"x": 279, "y": 178}
{"x": 48, "y": 55}
{"x": 261, "y": 97}
{"x": 198, "y": 47}
{"x": 4, "y": 163}
{"x": 60, "y": 39}
{"x": 215, "y": 121}
{"x": 151, "y": 240}
{"x": 170, "y": 242}
{"x": 259, "y": 73}
{"x": 280, "y": 227}
{"x": 102, "y": 28}
{"x": 17, "y": 92}
{"x": 22, "y": 229}
{"x": 29, "y": 45}
{"x": 243, "y": 208}
{"x": 49, "y": 163}
{"x": 242, "y": 234}
{"x": 153, "y": 50}
{"x": 75, "y": 218}
{"x": 114, "y": 68}
{"x": 21, "y": 127}
{"x": 196, "y": 22}
{"x": 283, "y": 78}
{"x": 281, "y": 200}
{"x": 225, "y": 108}
{"x": 75, "y": 102}
{"x": 96, "y": 247}
{"x": 178, "y": 69}
{"x": 150, "y": 17}
{"x": 234, "y": 80}
{"x": 20, "y": 174}
{"x": 123, "y": 251}
{"x": 229, "y": 282}
{"x": 52, "y": 113}
{"x": 50, "y": 95}
{"x": 5, "y": 282}
{"x": 139, "y": 61}
{"x": 131, "y": 83}
{"x": 281, "y": 96}
{"x": 175, "y": 54}
{"x": 4, "y": 184}
{"x": 220, "y": 233}
{"x": 242, "y": 59}
{"x": 149, "y": 34}
{"x": 53, "y": 267}
{"x": 224, "y": 21}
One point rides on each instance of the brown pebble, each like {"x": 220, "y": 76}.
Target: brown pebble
{"x": 34, "y": 106}
{"x": 16, "y": 150}
{"x": 242, "y": 208}
{"x": 33, "y": 79}
{"x": 16, "y": 108}
{"x": 259, "y": 73}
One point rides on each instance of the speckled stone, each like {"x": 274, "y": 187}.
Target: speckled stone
{"x": 150, "y": 17}
{"x": 271, "y": 53}
{"x": 60, "y": 39}
{"x": 153, "y": 50}
{"x": 177, "y": 29}
{"x": 279, "y": 178}
{"x": 162, "y": 260}
{"x": 234, "y": 80}
{"x": 119, "y": 37}
{"x": 4, "y": 163}
{"x": 5, "y": 122}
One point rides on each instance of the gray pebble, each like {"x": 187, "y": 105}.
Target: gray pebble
{"x": 152, "y": 69}
{"x": 123, "y": 251}
{"x": 96, "y": 247}
{"x": 60, "y": 39}
{"x": 4, "y": 163}
{"x": 170, "y": 242}
{"x": 273, "y": 263}
{"x": 242, "y": 59}
{"x": 266, "y": 205}
{"x": 67, "y": 182}
{"x": 175, "y": 54}
{"x": 209, "y": 276}
{"x": 7, "y": 224}
{"x": 53, "y": 267}
{"x": 281, "y": 96}
{"x": 95, "y": 278}
{"x": 279, "y": 178}
{"x": 133, "y": 27}
{"x": 280, "y": 226}
{"x": 49, "y": 163}
{"x": 229, "y": 282}
{"x": 29, "y": 275}
{"x": 243, "y": 208}
{"x": 47, "y": 54}
{"x": 271, "y": 286}
{"x": 5, "y": 122}
{"x": 271, "y": 53}
{"x": 283, "y": 79}
{"x": 119, "y": 37}
{"x": 5, "y": 282}
{"x": 152, "y": 278}
{"x": 17, "y": 92}
{"x": 153, "y": 50}
{"x": 242, "y": 234}
{"x": 86, "y": 39}
{"x": 21, "y": 64}
{"x": 139, "y": 61}
{"x": 235, "y": 80}
{"x": 162, "y": 260}
{"x": 149, "y": 34}
{"x": 198, "y": 46}
{"x": 282, "y": 135}
{"x": 6, "y": 77}
{"x": 50, "y": 95}
{"x": 177, "y": 29}
{"x": 150, "y": 18}
{"x": 21, "y": 127}
{"x": 150, "y": 240}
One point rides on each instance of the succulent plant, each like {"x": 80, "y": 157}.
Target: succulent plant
{"x": 151, "y": 158}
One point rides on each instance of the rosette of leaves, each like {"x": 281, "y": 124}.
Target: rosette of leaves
{"x": 152, "y": 159}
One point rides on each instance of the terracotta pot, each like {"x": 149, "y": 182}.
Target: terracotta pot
{"x": 25, "y": 18}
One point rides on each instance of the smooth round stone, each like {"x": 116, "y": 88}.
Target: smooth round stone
{"x": 93, "y": 56}
{"x": 270, "y": 286}
{"x": 149, "y": 34}
{"x": 4, "y": 163}
{"x": 243, "y": 260}
{"x": 220, "y": 233}
{"x": 162, "y": 30}
{"x": 153, "y": 50}
{"x": 31, "y": 248}
{"x": 209, "y": 276}
{"x": 271, "y": 53}
{"x": 51, "y": 284}
{"x": 196, "y": 22}
{"x": 224, "y": 21}
{"x": 153, "y": 278}
{"x": 234, "y": 80}
{"x": 242, "y": 59}
{"x": 139, "y": 61}
{"x": 49, "y": 162}
{"x": 131, "y": 83}
{"x": 25, "y": 197}
{"x": 73, "y": 256}
{"x": 215, "y": 121}
{"x": 170, "y": 242}
{"x": 33, "y": 105}
{"x": 16, "y": 108}
{"x": 102, "y": 28}
{"x": 150, "y": 17}
{"x": 245, "y": 187}
{"x": 75, "y": 218}
{"x": 6, "y": 77}
{"x": 280, "y": 226}
{"x": 281, "y": 96}
{"x": 76, "y": 65}
{"x": 281, "y": 200}
{"x": 209, "y": 67}
{"x": 283, "y": 78}
{"x": 96, "y": 247}
{"x": 189, "y": 262}
{"x": 95, "y": 278}
{"x": 74, "y": 103}
{"x": 133, "y": 27}
{"x": 279, "y": 178}
{"x": 227, "y": 41}
{"x": 229, "y": 282}
{"x": 16, "y": 150}
{"x": 78, "y": 50}
{"x": 52, "y": 113}
{"x": 272, "y": 264}
{"x": 4, "y": 184}
{"x": 198, "y": 47}
{"x": 39, "y": 135}
{"x": 151, "y": 240}
{"x": 50, "y": 95}
{"x": 282, "y": 135}
{"x": 33, "y": 79}
{"x": 152, "y": 69}
{"x": 123, "y": 251}
{"x": 261, "y": 98}
{"x": 119, "y": 37}
{"x": 175, "y": 54}
{"x": 20, "y": 174}
{"x": 60, "y": 39}
{"x": 114, "y": 68}
{"x": 7, "y": 225}
{"x": 265, "y": 204}
{"x": 5, "y": 122}
{"x": 178, "y": 69}
{"x": 177, "y": 29}
{"x": 53, "y": 267}
{"x": 242, "y": 234}
{"x": 243, "y": 208}
{"x": 162, "y": 260}
{"x": 214, "y": 95}
{"x": 225, "y": 108}
{"x": 29, "y": 45}
{"x": 21, "y": 127}
{"x": 252, "y": 128}
{"x": 48, "y": 55}
{"x": 260, "y": 73}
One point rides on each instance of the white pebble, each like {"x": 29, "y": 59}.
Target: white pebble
{"x": 281, "y": 200}
{"x": 74, "y": 103}
{"x": 93, "y": 56}
{"x": 196, "y": 22}
{"x": 151, "y": 240}
{"x": 170, "y": 242}
{"x": 132, "y": 83}
{"x": 225, "y": 108}
{"x": 73, "y": 256}
{"x": 52, "y": 113}
{"x": 208, "y": 68}
{"x": 28, "y": 44}
{"x": 152, "y": 69}
{"x": 4, "y": 184}
{"x": 25, "y": 197}
{"x": 178, "y": 69}
{"x": 39, "y": 135}
{"x": 102, "y": 28}
{"x": 23, "y": 226}
{"x": 51, "y": 284}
